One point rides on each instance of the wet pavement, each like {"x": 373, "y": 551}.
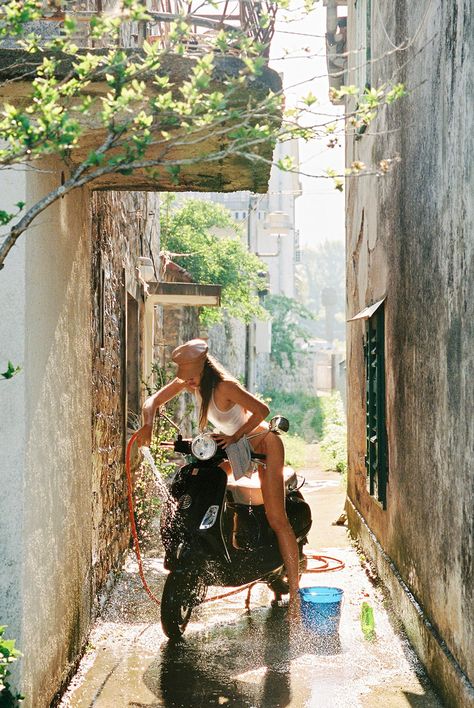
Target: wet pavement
{"x": 231, "y": 657}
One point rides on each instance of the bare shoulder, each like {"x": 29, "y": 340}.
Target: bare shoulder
{"x": 234, "y": 392}
{"x": 229, "y": 386}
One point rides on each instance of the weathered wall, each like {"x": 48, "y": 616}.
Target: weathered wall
{"x": 294, "y": 379}
{"x": 12, "y": 418}
{"x": 46, "y": 441}
{"x": 123, "y": 227}
{"x": 410, "y": 237}
{"x": 227, "y": 343}
{"x": 64, "y": 518}
{"x": 179, "y": 324}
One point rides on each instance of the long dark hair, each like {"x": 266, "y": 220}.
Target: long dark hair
{"x": 212, "y": 374}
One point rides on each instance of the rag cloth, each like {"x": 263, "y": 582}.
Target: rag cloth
{"x": 240, "y": 458}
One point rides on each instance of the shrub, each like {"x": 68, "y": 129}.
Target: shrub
{"x": 334, "y": 439}
{"x": 8, "y": 654}
{"x": 295, "y": 451}
{"x": 302, "y": 410}
{"x": 148, "y": 501}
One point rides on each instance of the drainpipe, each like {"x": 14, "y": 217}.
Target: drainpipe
{"x": 148, "y": 338}
{"x": 331, "y": 17}
{"x": 250, "y": 368}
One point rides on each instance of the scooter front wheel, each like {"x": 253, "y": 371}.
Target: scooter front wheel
{"x": 182, "y": 592}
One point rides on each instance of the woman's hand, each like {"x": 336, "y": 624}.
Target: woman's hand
{"x": 224, "y": 440}
{"x": 144, "y": 435}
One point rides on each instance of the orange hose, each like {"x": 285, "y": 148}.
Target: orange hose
{"x": 324, "y": 567}
{"x": 131, "y": 507}
{"x": 324, "y": 560}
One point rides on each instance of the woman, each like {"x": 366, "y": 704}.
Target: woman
{"x": 234, "y": 412}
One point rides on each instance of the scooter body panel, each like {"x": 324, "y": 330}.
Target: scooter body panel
{"x": 230, "y": 544}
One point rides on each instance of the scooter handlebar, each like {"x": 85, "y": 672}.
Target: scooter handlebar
{"x": 184, "y": 446}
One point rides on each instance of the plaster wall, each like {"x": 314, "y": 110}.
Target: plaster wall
{"x": 410, "y": 238}
{"x": 65, "y": 523}
{"x": 47, "y": 444}
{"x": 12, "y": 419}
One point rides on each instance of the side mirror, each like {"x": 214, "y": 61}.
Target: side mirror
{"x": 278, "y": 422}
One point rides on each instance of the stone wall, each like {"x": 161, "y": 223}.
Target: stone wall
{"x": 227, "y": 341}
{"x": 410, "y": 239}
{"x": 292, "y": 379}
{"x": 64, "y": 520}
{"x": 123, "y": 227}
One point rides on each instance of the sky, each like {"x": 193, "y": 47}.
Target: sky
{"x": 320, "y": 209}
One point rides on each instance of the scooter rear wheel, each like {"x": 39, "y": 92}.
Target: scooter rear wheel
{"x": 182, "y": 592}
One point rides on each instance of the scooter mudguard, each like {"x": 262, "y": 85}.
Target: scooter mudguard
{"x": 200, "y": 507}
{"x": 299, "y": 514}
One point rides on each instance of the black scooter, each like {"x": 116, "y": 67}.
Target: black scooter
{"x": 217, "y": 532}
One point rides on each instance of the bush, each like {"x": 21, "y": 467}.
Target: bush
{"x": 8, "y": 654}
{"x": 295, "y": 451}
{"x": 312, "y": 418}
{"x": 303, "y": 411}
{"x": 333, "y": 443}
{"x": 148, "y": 500}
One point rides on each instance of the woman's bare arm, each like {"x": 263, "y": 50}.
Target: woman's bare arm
{"x": 159, "y": 398}
{"x": 151, "y": 405}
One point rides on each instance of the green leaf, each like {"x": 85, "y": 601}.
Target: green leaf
{"x": 286, "y": 163}
{"x": 310, "y": 99}
{"x": 11, "y": 371}
{"x": 398, "y": 91}
{"x": 174, "y": 171}
{"x": 5, "y": 217}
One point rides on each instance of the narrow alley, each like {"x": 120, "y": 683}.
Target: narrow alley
{"x": 230, "y": 657}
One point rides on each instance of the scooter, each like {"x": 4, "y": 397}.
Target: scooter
{"x": 217, "y": 532}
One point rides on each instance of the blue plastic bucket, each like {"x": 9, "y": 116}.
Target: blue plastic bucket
{"x": 321, "y": 609}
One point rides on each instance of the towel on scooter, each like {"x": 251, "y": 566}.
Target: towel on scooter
{"x": 240, "y": 458}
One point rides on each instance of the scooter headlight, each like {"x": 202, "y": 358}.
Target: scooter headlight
{"x": 204, "y": 447}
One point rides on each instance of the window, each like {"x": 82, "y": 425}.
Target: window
{"x": 376, "y": 459}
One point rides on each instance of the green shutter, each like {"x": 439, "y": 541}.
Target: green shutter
{"x": 376, "y": 436}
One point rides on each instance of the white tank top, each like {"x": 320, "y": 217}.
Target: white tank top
{"x": 227, "y": 422}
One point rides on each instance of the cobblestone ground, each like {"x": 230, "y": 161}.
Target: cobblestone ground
{"x": 231, "y": 657}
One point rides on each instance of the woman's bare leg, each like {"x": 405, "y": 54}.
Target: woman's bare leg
{"x": 273, "y": 490}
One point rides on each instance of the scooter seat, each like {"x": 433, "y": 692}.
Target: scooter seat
{"x": 247, "y": 490}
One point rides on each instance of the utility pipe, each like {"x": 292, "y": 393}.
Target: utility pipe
{"x": 331, "y": 17}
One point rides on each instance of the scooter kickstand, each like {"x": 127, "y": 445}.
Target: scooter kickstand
{"x": 276, "y": 602}
{"x": 247, "y": 599}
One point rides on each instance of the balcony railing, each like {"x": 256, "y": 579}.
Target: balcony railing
{"x": 254, "y": 19}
